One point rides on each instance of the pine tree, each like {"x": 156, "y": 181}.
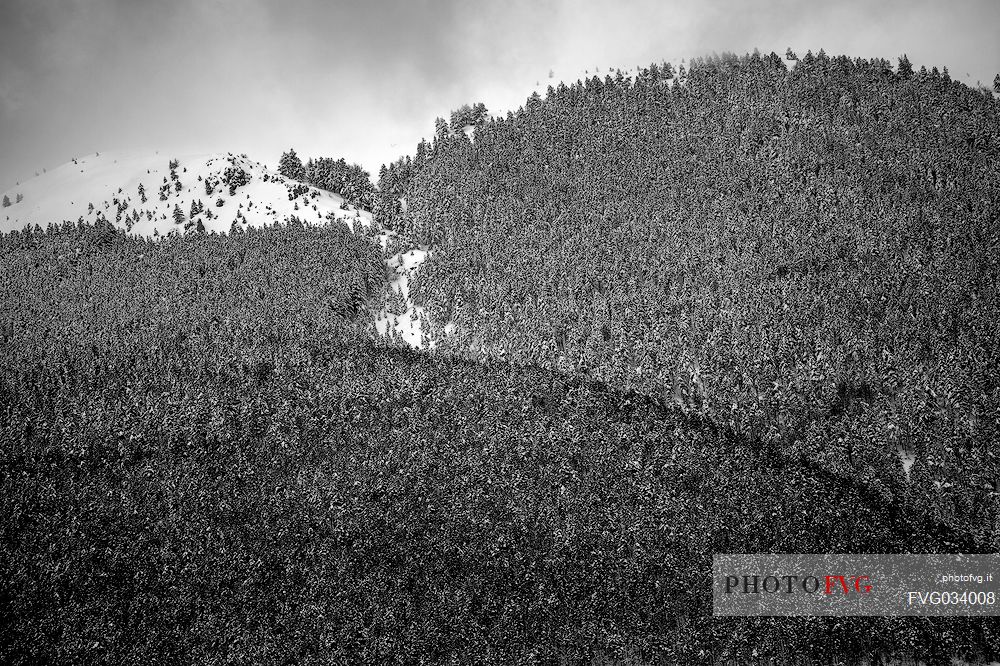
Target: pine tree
{"x": 996, "y": 84}
{"x": 905, "y": 67}
{"x": 440, "y": 128}
{"x": 6, "y": 201}
{"x": 290, "y": 166}
{"x": 790, "y": 54}
{"x": 19, "y": 198}
{"x": 178, "y": 214}
{"x": 142, "y": 193}
{"x": 822, "y": 60}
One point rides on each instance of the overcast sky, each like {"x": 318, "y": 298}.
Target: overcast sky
{"x": 365, "y": 79}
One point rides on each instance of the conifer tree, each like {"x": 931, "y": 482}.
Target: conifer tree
{"x": 822, "y": 60}
{"x": 996, "y": 84}
{"x": 6, "y": 201}
{"x": 905, "y": 67}
{"x": 142, "y": 192}
{"x": 440, "y": 128}
{"x": 290, "y": 166}
{"x": 19, "y": 198}
{"x": 178, "y": 214}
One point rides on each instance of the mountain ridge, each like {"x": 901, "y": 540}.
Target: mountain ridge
{"x": 231, "y": 189}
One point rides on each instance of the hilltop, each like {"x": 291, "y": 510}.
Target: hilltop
{"x": 805, "y": 251}
{"x": 224, "y": 189}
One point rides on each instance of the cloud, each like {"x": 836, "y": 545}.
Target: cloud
{"x": 365, "y": 79}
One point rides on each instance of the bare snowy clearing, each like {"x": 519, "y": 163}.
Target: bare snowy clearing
{"x": 409, "y": 324}
{"x": 107, "y": 186}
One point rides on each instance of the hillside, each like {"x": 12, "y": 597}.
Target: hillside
{"x": 510, "y": 414}
{"x": 808, "y": 252}
{"x": 224, "y": 188}
{"x": 204, "y": 453}
{"x": 228, "y": 192}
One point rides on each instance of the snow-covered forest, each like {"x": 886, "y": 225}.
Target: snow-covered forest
{"x": 502, "y": 403}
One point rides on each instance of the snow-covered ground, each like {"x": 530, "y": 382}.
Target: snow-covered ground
{"x": 406, "y": 325}
{"x": 907, "y": 458}
{"x": 106, "y": 185}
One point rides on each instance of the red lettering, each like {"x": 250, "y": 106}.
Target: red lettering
{"x": 832, "y": 580}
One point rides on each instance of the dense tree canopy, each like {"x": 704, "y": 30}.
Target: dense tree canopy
{"x": 334, "y": 175}
{"x": 204, "y": 459}
{"x": 810, "y": 254}
{"x": 348, "y": 180}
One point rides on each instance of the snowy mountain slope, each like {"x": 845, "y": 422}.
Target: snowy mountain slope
{"x": 107, "y": 186}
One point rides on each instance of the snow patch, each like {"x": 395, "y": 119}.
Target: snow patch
{"x": 907, "y": 458}
{"x": 409, "y": 324}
